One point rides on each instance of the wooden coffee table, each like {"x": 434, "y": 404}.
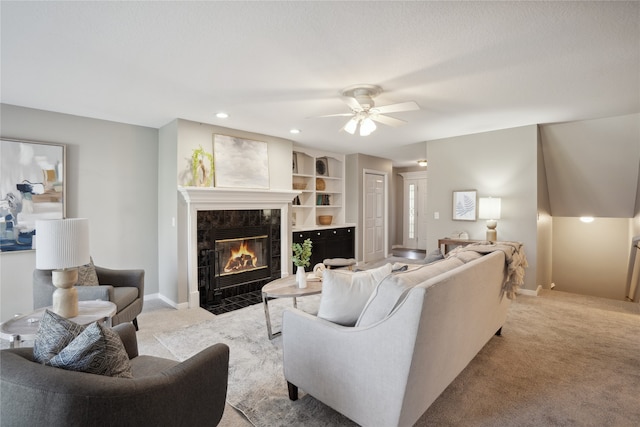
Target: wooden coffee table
{"x": 286, "y": 288}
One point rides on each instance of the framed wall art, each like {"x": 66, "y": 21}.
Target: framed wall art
{"x": 465, "y": 205}
{"x": 240, "y": 163}
{"x": 32, "y": 187}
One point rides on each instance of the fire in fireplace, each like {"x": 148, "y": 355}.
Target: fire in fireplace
{"x": 245, "y": 254}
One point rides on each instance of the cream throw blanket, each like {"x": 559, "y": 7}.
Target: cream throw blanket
{"x": 515, "y": 259}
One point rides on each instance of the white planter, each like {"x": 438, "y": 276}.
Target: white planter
{"x": 301, "y": 277}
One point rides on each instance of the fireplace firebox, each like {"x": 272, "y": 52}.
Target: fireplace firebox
{"x": 238, "y": 252}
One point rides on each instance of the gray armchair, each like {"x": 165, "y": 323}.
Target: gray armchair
{"x": 163, "y": 392}
{"x": 124, "y": 288}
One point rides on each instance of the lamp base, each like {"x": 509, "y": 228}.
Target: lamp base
{"x": 492, "y": 234}
{"x": 65, "y": 297}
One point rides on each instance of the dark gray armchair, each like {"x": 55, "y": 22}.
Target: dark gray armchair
{"x": 124, "y": 288}
{"x": 163, "y": 392}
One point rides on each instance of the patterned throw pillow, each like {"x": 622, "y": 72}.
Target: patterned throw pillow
{"x": 95, "y": 349}
{"x": 87, "y": 275}
{"x": 54, "y": 333}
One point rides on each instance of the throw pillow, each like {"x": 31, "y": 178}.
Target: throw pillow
{"x": 97, "y": 350}
{"x": 87, "y": 275}
{"x": 434, "y": 255}
{"x": 344, "y": 293}
{"x": 391, "y": 291}
{"x": 94, "y": 349}
{"x": 54, "y": 333}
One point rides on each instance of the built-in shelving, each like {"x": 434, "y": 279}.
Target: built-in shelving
{"x": 320, "y": 179}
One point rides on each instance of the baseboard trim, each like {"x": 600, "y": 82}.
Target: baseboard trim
{"x": 530, "y": 292}
{"x": 166, "y": 300}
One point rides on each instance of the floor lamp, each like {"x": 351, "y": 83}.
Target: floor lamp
{"x": 489, "y": 209}
{"x": 62, "y": 245}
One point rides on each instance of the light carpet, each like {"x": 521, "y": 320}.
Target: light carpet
{"x": 562, "y": 360}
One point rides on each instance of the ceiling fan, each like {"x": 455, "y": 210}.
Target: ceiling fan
{"x": 364, "y": 113}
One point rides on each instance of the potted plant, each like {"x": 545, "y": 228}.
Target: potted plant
{"x": 301, "y": 257}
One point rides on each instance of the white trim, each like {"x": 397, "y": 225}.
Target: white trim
{"x": 167, "y": 301}
{"x": 530, "y": 292}
{"x": 219, "y": 199}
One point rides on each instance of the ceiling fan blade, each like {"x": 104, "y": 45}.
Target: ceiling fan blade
{"x": 395, "y": 108}
{"x": 386, "y": 120}
{"x": 352, "y": 103}
{"x": 336, "y": 115}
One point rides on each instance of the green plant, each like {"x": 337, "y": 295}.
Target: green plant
{"x": 302, "y": 253}
{"x": 201, "y": 177}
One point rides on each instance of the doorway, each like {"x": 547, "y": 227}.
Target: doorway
{"x": 414, "y": 212}
{"x": 375, "y": 216}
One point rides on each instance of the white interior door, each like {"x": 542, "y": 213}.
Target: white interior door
{"x": 374, "y": 217}
{"x": 415, "y": 213}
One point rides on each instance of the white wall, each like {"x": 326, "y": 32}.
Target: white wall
{"x": 500, "y": 163}
{"x": 591, "y": 259}
{"x": 112, "y": 177}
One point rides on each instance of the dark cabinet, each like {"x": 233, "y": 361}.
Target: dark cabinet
{"x": 328, "y": 243}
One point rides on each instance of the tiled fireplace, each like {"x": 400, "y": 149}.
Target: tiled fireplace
{"x": 238, "y": 252}
{"x": 242, "y": 221}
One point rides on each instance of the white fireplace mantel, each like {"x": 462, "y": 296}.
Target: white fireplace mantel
{"x": 213, "y": 199}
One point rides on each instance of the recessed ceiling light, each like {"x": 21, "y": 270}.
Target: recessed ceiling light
{"x": 586, "y": 219}
{"x": 422, "y": 163}
{"x": 295, "y": 131}
{"x": 222, "y": 115}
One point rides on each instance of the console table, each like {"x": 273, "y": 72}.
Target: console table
{"x": 444, "y": 244}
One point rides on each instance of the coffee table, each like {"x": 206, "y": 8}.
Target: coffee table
{"x": 286, "y": 287}
{"x": 25, "y": 327}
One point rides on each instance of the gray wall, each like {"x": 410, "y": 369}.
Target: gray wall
{"x": 112, "y": 179}
{"x": 502, "y": 164}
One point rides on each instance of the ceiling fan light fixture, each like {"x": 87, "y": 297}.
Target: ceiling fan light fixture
{"x": 351, "y": 125}
{"x": 367, "y": 126}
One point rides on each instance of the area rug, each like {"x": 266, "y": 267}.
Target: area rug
{"x": 256, "y": 384}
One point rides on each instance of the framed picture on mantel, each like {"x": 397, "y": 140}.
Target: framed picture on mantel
{"x": 240, "y": 163}
{"x": 465, "y": 205}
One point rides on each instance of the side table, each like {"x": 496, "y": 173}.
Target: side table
{"x": 25, "y": 327}
{"x": 286, "y": 287}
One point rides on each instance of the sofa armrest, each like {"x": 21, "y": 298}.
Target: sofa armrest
{"x": 120, "y": 278}
{"x": 361, "y": 372}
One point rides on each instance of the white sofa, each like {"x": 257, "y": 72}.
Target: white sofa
{"x": 390, "y": 371}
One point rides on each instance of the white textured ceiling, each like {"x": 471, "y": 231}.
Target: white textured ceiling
{"x": 471, "y": 66}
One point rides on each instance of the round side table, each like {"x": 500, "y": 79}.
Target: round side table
{"x": 25, "y": 327}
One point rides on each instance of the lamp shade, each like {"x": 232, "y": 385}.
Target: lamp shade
{"x": 62, "y": 243}
{"x": 489, "y": 208}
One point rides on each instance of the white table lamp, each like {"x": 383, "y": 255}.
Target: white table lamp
{"x": 489, "y": 209}
{"x": 62, "y": 245}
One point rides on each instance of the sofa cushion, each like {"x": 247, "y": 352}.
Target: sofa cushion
{"x": 467, "y": 256}
{"x": 123, "y": 296}
{"x": 94, "y": 349}
{"x": 87, "y": 275}
{"x": 392, "y": 289}
{"x": 345, "y": 293}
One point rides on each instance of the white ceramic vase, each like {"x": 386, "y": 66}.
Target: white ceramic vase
{"x": 301, "y": 277}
